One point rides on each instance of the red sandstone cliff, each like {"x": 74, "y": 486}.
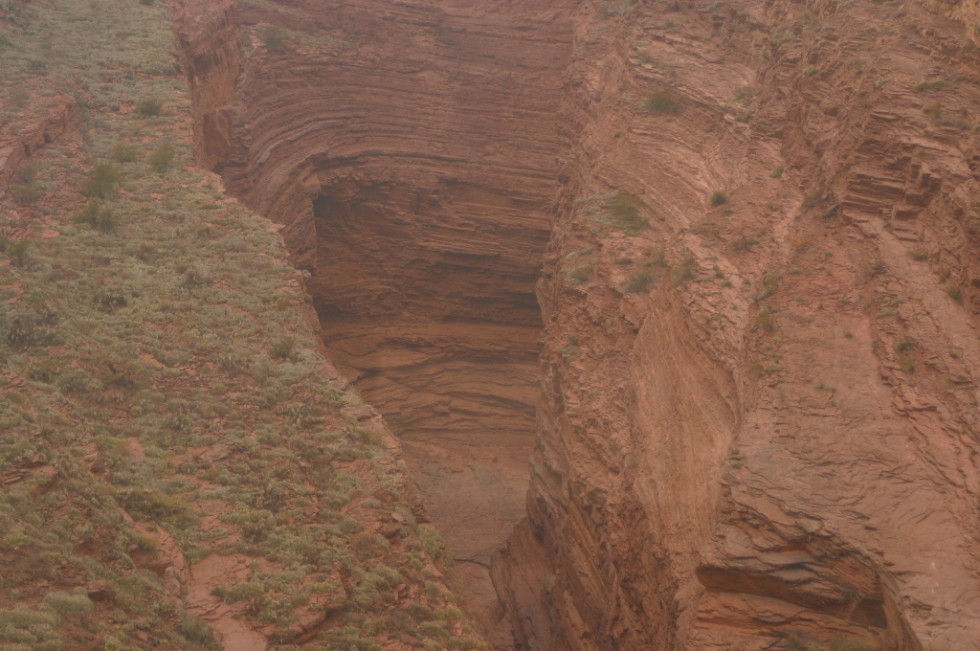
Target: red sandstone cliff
{"x": 767, "y": 432}
{"x": 758, "y": 419}
{"x": 409, "y": 151}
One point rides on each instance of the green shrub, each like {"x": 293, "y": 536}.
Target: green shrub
{"x": 124, "y": 153}
{"x": 16, "y": 250}
{"x": 110, "y": 299}
{"x": 919, "y": 255}
{"x": 243, "y": 592}
{"x": 811, "y": 199}
{"x": 955, "y": 293}
{"x": 770, "y": 283}
{"x": 580, "y": 274}
{"x": 26, "y": 173}
{"x": 930, "y": 84}
{"x": 191, "y": 627}
{"x": 718, "y": 198}
{"x": 34, "y": 631}
{"x": 103, "y": 182}
{"x": 275, "y": 38}
{"x": 685, "y": 271}
{"x": 662, "y": 102}
{"x": 626, "y": 211}
{"x": 26, "y": 194}
{"x": 162, "y": 158}
{"x": 904, "y": 345}
{"x": 68, "y": 603}
{"x": 284, "y": 349}
{"x": 648, "y": 270}
{"x": 765, "y": 320}
{"x": 153, "y": 505}
{"x": 149, "y": 106}
{"x": 98, "y": 216}
{"x": 28, "y": 325}
{"x": 639, "y": 281}
{"x": 744, "y": 243}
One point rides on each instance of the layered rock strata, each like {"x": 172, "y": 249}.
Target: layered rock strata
{"x": 408, "y": 149}
{"x": 759, "y": 424}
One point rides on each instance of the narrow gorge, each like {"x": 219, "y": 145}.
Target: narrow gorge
{"x": 672, "y": 305}
{"x": 414, "y": 176}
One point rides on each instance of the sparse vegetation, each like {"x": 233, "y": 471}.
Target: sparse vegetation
{"x": 581, "y": 273}
{"x": 647, "y": 271}
{"x": 625, "y": 211}
{"x": 811, "y": 199}
{"x": 852, "y": 644}
{"x": 744, "y": 242}
{"x": 919, "y": 255}
{"x": 275, "y": 38}
{"x": 16, "y": 250}
{"x": 103, "y": 182}
{"x": 770, "y": 283}
{"x": 285, "y": 348}
{"x": 149, "y": 106}
{"x": 765, "y": 320}
{"x": 718, "y": 198}
{"x": 27, "y": 194}
{"x": 955, "y": 292}
{"x": 662, "y": 102}
{"x": 616, "y": 8}
{"x": 685, "y": 271}
{"x": 930, "y": 84}
{"x": 640, "y": 280}
{"x": 99, "y": 216}
{"x": 124, "y": 153}
{"x": 904, "y": 345}
{"x": 162, "y": 158}
{"x": 745, "y": 94}
{"x": 141, "y": 335}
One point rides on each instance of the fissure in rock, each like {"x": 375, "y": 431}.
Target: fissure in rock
{"x": 426, "y": 300}
{"x": 413, "y": 175}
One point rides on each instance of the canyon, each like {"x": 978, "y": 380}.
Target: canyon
{"x": 708, "y": 269}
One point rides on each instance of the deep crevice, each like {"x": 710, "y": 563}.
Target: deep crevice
{"x": 414, "y": 180}
{"x": 426, "y": 301}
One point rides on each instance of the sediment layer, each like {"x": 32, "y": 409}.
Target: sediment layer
{"x": 413, "y": 175}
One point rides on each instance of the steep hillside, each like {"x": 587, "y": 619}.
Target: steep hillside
{"x": 180, "y": 466}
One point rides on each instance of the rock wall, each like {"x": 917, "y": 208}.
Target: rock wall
{"x": 759, "y": 423}
{"x": 408, "y": 150}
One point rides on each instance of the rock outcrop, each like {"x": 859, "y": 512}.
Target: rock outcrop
{"x": 757, "y": 424}
{"x": 408, "y": 149}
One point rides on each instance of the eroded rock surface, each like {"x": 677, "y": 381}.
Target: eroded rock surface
{"x": 409, "y": 151}
{"x": 758, "y": 420}
{"x": 759, "y": 427}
